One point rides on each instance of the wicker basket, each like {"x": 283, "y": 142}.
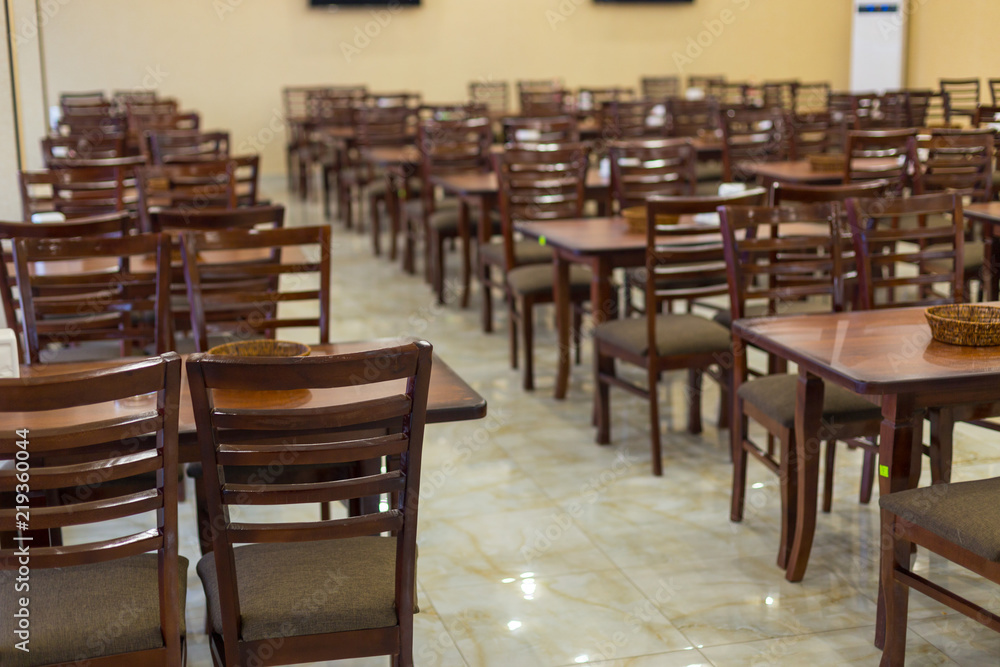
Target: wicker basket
{"x": 635, "y": 216}
{"x": 827, "y": 162}
{"x": 262, "y": 348}
{"x": 971, "y": 325}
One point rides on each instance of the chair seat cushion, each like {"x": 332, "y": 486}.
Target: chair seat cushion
{"x": 307, "y": 588}
{"x": 774, "y": 395}
{"x": 415, "y": 207}
{"x": 88, "y": 611}
{"x": 525, "y": 252}
{"x": 676, "y": 335}
{"x": 725, "y": 317}
{"x": 965, "y": 513}
{"x": 539, "y": 278}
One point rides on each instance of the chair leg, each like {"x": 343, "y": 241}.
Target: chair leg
{"x": 895, "y": 595}
{"x": 528, "y": 330}
{"x": 602, "y": 394}
{"x": 694, "y": 400}
{"x": 656, "y": 451}
{"x": 376, "y": 231}
{"x": 512, "y": 333}
{"x": 204, "y": 521}
{"x": 739, "y": 454}
{"x": 577, "y": 334}
{"x": 789, "y": 482}
{"x": 466, "y": 271}
{"x": 438, "y": 271}
{"x": 942, "y": 423}
{"x": 831, "y": 458}
{"x": 487, "y": 295}
{"x": 868, "y": 468}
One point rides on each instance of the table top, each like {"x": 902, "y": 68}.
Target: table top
{"x": 486, "y": 183}
{"x": 449, "y": 399}
{"x": 888, "y": 351}
{"x": 800, "y": 171}
{"x": 985, "y": 212}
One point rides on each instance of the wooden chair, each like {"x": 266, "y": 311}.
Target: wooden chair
{"x": 544, "y": 102}
{"x": 216, "y": 219}
{"x": 962, "y": 98}
{"x": 782, "y": 260}
{"x": 898, "y": 148}
{"x": 955, "y": 521}
{"x": 659, "y": 88}
{"x": 750, "y": 137}
{"x": 708, "y": 84}
{"x": 920, "y": 266}
{"x": 448, "y": 147}
{"x": 792, "y": 193}
{"x": 133, "y": 581}
{"x": 125, "y": 98}
{"x": 310, "y": 112}
{"x": 684, "y": 262}
{"x": 68, "y": 294}
{"x": 545, "y": 130}
{"x": 780, "y": 95}
{"x": 690, "y": 118}
{"x": 494, "y": 94}
{"x": 812, "y": 98}
{"x": 186, "y": 146}
{"x": 591, "y": 99}
{"x": 244, "y": 295}
{"x": 93, "y": 187}
{"x": 808, "y": 134}
{"x": 539, "y": 85}
{"x": 632, "y": 119}
{"x": 543, "y": 182}
{"x": 255, "y": 591}
{"x": 112, "y": 224}
{"x": 89, "y": 146}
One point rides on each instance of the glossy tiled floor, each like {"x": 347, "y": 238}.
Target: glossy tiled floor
{"x": 540, "y": 548}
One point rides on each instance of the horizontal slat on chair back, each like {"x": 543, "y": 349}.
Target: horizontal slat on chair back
{"x": 960, "y": 160}
{"x": 541, "y": 130}
{"x": 933, "y": 256}
{"x": 454, "y": 146}
{"x": 783, "y": 254}
{"x": 640, "y": 168}
{"x": 688, "y": 118}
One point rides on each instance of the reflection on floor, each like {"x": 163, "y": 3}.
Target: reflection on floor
{"x": 540, "y": 548}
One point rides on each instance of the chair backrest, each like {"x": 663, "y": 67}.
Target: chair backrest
{"x": 659, "y": 88}
{"x": 111, "y": 224}
{"x": 539, "y": 182}
{"x": 808, "y": 134}
{"x": 780, "y": 94}
{"x": 332, "y": 106}
{"x": 245, "y": 295}
{"x": 92, "y": 187}
{"x": 689, "y": 118}
{"x": 68, "y": 293}
{"x": 190, "y": 219}
{"x": 90, "y": 146}
{"x": 750, "y": 137}
{"x": 708, "y": 84}
{"x": 812, "y": 97}
{"x": 883, "y": 154}
{"x": 544, "y": 102}
{"x": 962, "y": 98}
{"x": 446, "y": 112}
{"x": 124, "y": 98}
{"x": 357, "y": 392}
{"x": 384, "y": 126}
{"x": 65, "y": 459}
{"x": 782, "y": 254}
{"x": 494, "y": 94}
{"x": 539, "y": 85}
{"x": 452, "y": 147}
{"x": 302, "y": 102}
{"x": 640, "y": 168}
{"x": 784, "y": 193}
{"x": 902, "y": 266}
{"x": 960, "y": 160}
{"x": 632, "y": 119}
{"x": 186, "y": 146}
{"x": 545, "y": 130}
{"x": 986, "y": 114}
{"x": 734, "y": 94}
{"x": 591, "y": 98}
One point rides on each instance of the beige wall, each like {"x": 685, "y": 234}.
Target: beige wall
{"x": 230, "y": 58}
{"x": 953, "y": 39}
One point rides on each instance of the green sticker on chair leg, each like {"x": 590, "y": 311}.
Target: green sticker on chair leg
{"x": 541, "y": 240}
{"x": 883, "y": 471}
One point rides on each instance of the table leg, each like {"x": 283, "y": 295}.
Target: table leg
{"x": 465, "y": 239}
{"x": 990, "y": 262}
{"x": 808, "y": 445}
{"x": 603, "y": 307}
{"x": 486, "y": 204}
{"x": 564, "y": 319}
{"x": 899, "y": 445}
{"x": 393, "y": 208}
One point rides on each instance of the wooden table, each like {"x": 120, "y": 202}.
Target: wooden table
{"x": 450, "y": 398}
{"x": 889, "y": 357}
{"x": 989, "y": 215}
{"x": 483, "y": 190}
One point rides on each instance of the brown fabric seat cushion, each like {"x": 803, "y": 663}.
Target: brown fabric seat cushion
{"x": 87, "y": 611}
{"x": 774, "y": 395}
{"x": 964, "y": 513}
{"x": 539, "y": 278}
{"x": 725, "y": 317}
{"x": 415, "y": 207}
{"x": 675, "y": 335}
{"x": 525, "y": 252}
{"x": 309, "y": 588}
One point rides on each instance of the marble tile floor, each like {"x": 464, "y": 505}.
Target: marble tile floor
{"x": 539, "y": 548}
